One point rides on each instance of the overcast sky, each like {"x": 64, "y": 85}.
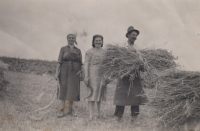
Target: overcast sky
{"x": 38, "y": 28}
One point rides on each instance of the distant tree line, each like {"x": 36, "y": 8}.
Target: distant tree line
{"x": 33, "y": 66}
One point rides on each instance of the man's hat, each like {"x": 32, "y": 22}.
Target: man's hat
{"x": 130, "y": 29}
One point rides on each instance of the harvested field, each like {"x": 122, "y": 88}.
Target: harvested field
{"x": 21, "y": 100}
{"x": 173, "y": 101}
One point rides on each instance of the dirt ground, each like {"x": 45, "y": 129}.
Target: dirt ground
{"x": 21, "y": 100}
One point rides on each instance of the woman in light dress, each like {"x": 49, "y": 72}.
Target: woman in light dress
{"x": 93, "y": 76}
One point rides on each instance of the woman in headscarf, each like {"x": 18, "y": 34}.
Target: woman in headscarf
{"x": 67, "y": 73}
{"x": 93, "y": 77}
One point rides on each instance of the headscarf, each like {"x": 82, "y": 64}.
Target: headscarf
{"x": 74, "y": 37}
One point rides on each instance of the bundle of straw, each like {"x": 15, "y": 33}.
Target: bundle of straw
{"x": 158, "y": 59}
{"x": 120, "y": 61}
{"x": 176, "y": 98}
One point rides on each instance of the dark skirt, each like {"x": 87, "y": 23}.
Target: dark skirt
{"x": 69, "y": 81}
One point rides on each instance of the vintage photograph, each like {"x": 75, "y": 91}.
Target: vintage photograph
{"x": 99, "y": 65}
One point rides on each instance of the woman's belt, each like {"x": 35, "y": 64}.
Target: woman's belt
{"x": 66, "y": 62}
{"x": 70, "y": 61}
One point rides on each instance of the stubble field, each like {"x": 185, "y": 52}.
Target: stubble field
{"x": 20, "y": 101}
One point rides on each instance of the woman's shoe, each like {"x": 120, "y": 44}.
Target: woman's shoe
{"x": 60, "y": 114}
{"x": 71, "y": 112}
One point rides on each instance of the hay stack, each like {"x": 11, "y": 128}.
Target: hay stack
{"x": 176, "y": 98}
{"x": 3, "y": 81}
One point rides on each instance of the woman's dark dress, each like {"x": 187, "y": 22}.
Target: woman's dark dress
{"x": 69, "y": 77}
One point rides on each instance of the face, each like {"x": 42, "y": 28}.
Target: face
{"x": 98, "y": 42}
{"x": 71, "y": 39}
{"x": 132, "y": 36}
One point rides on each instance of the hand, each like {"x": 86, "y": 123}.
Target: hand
{"x": 131, "y": 78}
{"x": 141, "y": 62}
{"x": 107, "y": 81}
{"x": 146, "y": 67}
{"x": 141, "y": 68}
{"x": 56, "y": 77}
{"x": 86, "y": 81}
{"x": 81, "y": 76}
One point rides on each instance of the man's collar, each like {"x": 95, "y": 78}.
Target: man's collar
{"x": 128, "y": 44}
{"x": 131, "y": 46}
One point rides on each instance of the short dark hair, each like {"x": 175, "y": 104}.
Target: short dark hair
{"x": 95, "y": 36}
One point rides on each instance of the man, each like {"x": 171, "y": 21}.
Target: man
{"x": 123, "y": 96}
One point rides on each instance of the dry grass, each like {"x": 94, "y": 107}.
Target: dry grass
{"x": 21, "y": 99}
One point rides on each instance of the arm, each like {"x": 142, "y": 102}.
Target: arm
{"x": 57, "y": 70}
{"x": 86, "y": 67}
{"x": 59, "y": 64}
{"x": 81, "y": 66}
{"x": 86, "y": 70}
{"x": 81, "y": 60}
